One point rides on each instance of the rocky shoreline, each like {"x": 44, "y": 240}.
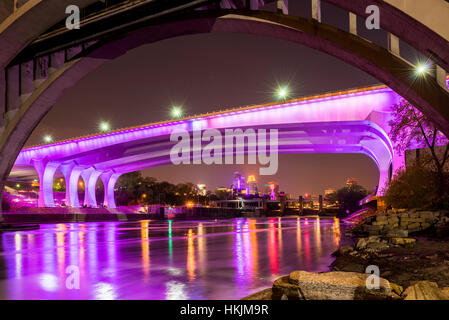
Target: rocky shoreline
{"x": 410, "y": 250}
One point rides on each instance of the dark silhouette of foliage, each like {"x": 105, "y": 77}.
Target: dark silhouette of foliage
{"x": 412, "y": 129}
{"x": 413, "y": 188}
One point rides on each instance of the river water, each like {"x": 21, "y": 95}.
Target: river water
{"x": 210, "y": 259}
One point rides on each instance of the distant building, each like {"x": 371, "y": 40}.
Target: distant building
{"x": 252, "y": 186}
{"x": 272, "y": 189}
{"x": 238, "y": 183}
{"x": 201, "y": 187}
{"x": 328, "y": 192}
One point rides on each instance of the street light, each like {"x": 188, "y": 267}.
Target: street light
{"x": 176, "y": 112}
{"x": 421, "y": 69}
{"x": 104, "y": 126}
{"x": 282, "y": 93}
{"x": 48, "y": 139}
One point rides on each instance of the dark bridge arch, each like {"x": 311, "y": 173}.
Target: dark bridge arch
{"x": 377, "y": 61}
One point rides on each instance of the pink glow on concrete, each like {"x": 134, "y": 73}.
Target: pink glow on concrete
{"x": 346, "y": 107}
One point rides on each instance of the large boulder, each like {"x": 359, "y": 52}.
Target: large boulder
{"x": 425, "y": 290}
{"x": 335, "y": 285}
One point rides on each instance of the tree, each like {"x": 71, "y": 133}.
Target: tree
{"x": 348, "y": 198}
{"x": 413, "y": 188}
{"x": 411, "y": 128}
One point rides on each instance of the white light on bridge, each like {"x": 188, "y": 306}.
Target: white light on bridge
{"x": 282, "y": 93}
{"x": 422, "y": 69}
{"x": 104, "y": 126}
{"x": 176, "y": 112}
{"x": 48, "y": 139}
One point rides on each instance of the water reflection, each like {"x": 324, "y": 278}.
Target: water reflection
{"x": 225, "y": 259}
{"x": 191, "y": 263}
{"x": 273, "y": 247}
{"x": 201, "y": 249}
{"x": 253, "y": 249}
{"x": 145, "y": 248}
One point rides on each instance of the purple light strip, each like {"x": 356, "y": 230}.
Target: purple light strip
{"x": 297, "y": 102}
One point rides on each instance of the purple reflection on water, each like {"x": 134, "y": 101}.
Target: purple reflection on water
{"x": 225, "y": 259}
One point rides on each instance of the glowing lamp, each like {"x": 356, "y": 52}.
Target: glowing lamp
{"x": 282, "y": 93}
{"x": 422, "y": 69}
{"x": 104, "y": 126}
{"x": 176, "y": 112}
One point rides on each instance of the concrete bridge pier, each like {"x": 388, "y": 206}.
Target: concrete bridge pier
{"x": 109, "y": 180}
{"x": 46, "y": 172}
{"x": 71, "y": 174}
{"x": 90, "y": 177}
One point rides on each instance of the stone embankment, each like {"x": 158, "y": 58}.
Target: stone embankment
{"x": 401, "y": 224}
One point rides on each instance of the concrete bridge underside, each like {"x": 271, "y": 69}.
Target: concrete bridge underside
{"x": 109, "y": 163}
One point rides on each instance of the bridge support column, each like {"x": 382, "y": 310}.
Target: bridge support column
{"x": 441, "y": 75}
{"x": 384, "y": 158}
{"x": 26, "y": 80}
{"x": 2, "y": 98}
{"x": 72, "y": 52}
{"x": 393, "y": 44}
{"x": 90, "y": 177}
{"x": 46, "y": 171}
{"x": 71, "y": 174}
{"x": 254, "y": 4}
{"x": 282, "y": 6}
{"x": 41, "y": 70}
{"x": 227, "y": 4}
{"x": 12, "y": 91}
{"x": 316, "y": 10}
{"x": 384, "y": 179}
{"x": 56, "y": 61}
{"x": 352, "y": 23}
{"x": 109, "y": 180}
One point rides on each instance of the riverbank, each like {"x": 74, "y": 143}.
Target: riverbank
{"x": 402, "y": 262}
{"x": 409, "y": 249}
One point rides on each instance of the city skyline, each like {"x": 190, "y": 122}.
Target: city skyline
{"x": 295, "y": 189}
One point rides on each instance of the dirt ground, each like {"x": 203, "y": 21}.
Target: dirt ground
{"x": 427, "y": 260}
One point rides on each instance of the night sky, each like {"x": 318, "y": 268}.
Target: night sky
{"x": 212, "y": 72}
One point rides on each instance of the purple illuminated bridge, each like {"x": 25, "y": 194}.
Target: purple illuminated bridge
{"x": 353, "y": 121}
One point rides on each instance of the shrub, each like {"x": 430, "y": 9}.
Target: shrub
{"x": 413, "y": 188}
